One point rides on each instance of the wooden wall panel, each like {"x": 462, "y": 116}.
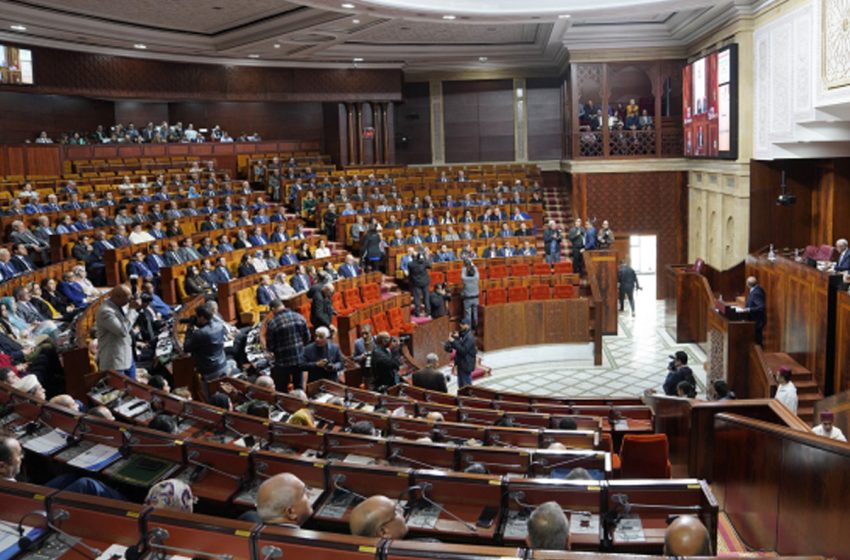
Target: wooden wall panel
{"x": 479, "y": 121}
{"x": 26, "y": 115}
{"x": 842, "y": 335}
{"x": 544, "y": 112}
{"x": 140, "y": 113}
{"x": 652, "y": 203}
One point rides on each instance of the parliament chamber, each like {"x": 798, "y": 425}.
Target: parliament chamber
{"x": 393, "y": 280}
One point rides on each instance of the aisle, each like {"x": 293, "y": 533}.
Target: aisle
{"x": 634, "y": 360}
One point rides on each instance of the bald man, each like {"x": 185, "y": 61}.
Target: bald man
{"x": 687, "y": 536}
{"x": 282, "y": 500}
{"x": 65, "y": 401}
{"x": 114, "y": 332}
{"x": 378, "y": 517}
{"x": 548, "y": 528}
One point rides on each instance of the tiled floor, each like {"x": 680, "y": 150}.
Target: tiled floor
{"x": 633, "y": 360}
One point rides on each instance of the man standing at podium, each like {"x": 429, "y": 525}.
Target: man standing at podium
{"x": 755, "y": 307}
{"x": 843, "y": 264}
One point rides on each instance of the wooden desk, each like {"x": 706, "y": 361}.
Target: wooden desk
{"x": 534, "y": 322}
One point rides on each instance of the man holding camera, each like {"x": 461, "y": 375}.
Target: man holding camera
{"x": 466, "y": 351}
{"x": 386, "y": 361}
{"x": 552, "y": 242}
{"x": 469, "y": 278}
{"x": 205, "y": 342}
{"x": 322, "y": 358}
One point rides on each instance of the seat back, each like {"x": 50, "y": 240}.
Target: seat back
{"x": 304, "y": 310}
{"x": 496, "y": 296}
{"x": 825, "y": 253}
{"x": 564, "y": 291}
{"x": 645, "y": 456}
{"x": 371, "y": 292}
{"x": 563, "y": 267}
{"x": 542, "y": 268}
{"x": 381, "y": 323}
{"x": 520, "y": 270}
{"x": 539, "y": 292}
{"x": 517, "y": 293}
{"x": 453, "y": 276}
{"x": 698, "y": 264}
{"x": 437, "y": 277}
{"x": 352, "y": 298}
{"x": 497, "y": 271}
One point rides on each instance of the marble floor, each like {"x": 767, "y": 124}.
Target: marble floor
{"x": 634, "y": 360}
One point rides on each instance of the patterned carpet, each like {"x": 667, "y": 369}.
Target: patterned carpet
{"x": 633, "y": 360}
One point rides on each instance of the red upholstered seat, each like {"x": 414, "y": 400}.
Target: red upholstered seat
{"x": 352, "y": 298}
{"x": 644, "y": 456}
{"x": 520, "y": 270}
{"x": 539, "y": 292}
{"x": 437, "y": 277}
{"x": 339, "y": 306}
{"x": 564, "y": 291}
{"x": 453, "y": 276}
{"x": 496, "y": 296}
{"x": 606, "y": 443}
{"x": 698, "y": 264}
{"x": 304, "y": 310}
{"x": 825, "y": 253}
{"x": 383, "y": 324}
{"x": 517, "y": 293}
{"x": 563, "y": 267}
{"x": 370, "y": 293}
{"x": 397, "y": 320}
{"x": 542, "y": 269}
{"x": 498, "y": 271}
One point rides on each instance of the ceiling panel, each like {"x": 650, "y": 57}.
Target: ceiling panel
{"x": 401, "y": 31}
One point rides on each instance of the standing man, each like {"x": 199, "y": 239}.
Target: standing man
{"x": 590, "y": 235}
{"x": 321, "y": 308}
{"x": 286, "y": 335}
{"x": 463, "y": 344}
{"x": 576, "y": 237}
{"x": 843, "y": 264}
{"x": 386, "y": 361}
{"x": 755, "y": 306}
{"x": 322, "y": 358}
{"x": 552, "y": 240}
{"x": 786, "y": 391}
{"x": 469, "y": 277}
{"x": 628, "y": 281}
{"x": 205, "y": 342}
{"x": 420, "y": 279}
{"x": 115, "y": 332}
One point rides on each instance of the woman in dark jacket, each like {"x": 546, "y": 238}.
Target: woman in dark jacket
{"x": 304, "y": 253}
{"x": 195, "y": 284}
{"x": 372, "y": 249}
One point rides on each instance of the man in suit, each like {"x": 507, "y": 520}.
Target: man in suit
{"x": 429, "y": 377}
{"x": 258, "y": 238}
{"x": 7, "y": 269}
{"x": 21, "y": 260}
{"x": 508, "y": 250}
{"x": 418, "y": 273}
{"x": 155, "y": 260}
{"x": 349, "y": 268}
{"x": 755, "y": 306}
{"x": 265, "y": 295}
{"x": 552, "y": 242}
{"x": 102, "y": 218}
{"x": 173, "y": 255}
{"x": 300, "y": 281}
{"x": 288, "y": 257}
{"x": 628, "y": 281}
{"x": 466, "y": 352}
{"x": 114, "y": 332}
{"x": 120, "y": 238}
{"x": 137, "y": 267}
{"x": 21, "y": 234}
{"x": 321, "y": 308}
{"x": 71, "y": 289}
{"x": 224, "y": 245}
{"x": 322, "y": 358}
{"x": 576, "y": 236}
{"x": 221, "y": 272}
{"x": 385, "y": 362}
{"x": 843, "y": 264}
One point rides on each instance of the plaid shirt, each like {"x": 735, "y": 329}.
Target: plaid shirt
{"x": 286, "y": 334}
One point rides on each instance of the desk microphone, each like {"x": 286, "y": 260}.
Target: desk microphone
{"x": 192, "y": 459}
{"x": 469, "y": 459}
{"x": 270, "y": 551}
{"x": 424, "y": 488}
{"x": 335, "y": 444}
{"x": 396, "y": 454}
{"x": 544, "y": 462}
{"x": 25, "y": 543}
{"x": 337, "y": 483}
{"x": 154, "y": 539}
{"x": 132, "y": 442}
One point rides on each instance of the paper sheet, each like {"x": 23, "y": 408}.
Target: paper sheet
{"x": 9, "y": 539}
{"x": 47, "y": 444}
{"x": 96, "y": 457}
{"x": 629, "y": 529}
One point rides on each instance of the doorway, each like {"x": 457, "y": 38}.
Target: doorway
{"x": 642, "y": 253}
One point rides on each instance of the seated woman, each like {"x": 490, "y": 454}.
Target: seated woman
{"x": 322, "y": 251}
{"x": 21, "y": 328}
{"x": 195, "y": 284}
{"x": 447, "y": 218}
{"x": 308, "y": 205}
{"x": 89, "y": 289}
{"x": 172, "y": 494}
{"x": 303, "y": 252}
{"x": 281, "y": 287}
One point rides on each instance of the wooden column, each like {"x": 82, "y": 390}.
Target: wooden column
{"x": 359, "y": 133}
{"x": 353, "y": 156}
{"x": 378, "y": 138}
{"x": 389, "y": 132}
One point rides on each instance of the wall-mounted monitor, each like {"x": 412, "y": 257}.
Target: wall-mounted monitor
{"x": 15, "y": 66}
{"x": 710, "y": 99}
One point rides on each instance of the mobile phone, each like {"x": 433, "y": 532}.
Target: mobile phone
{"x": 487, "y": 517}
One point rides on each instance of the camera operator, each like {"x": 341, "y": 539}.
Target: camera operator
{"x": 205, "y": 343}
{"x": 469, "y": 277}
{"x": 322, "y": 358}
{"x": 678, "y": 371}
{"x": 386, "y": 361}
{"x": 420, "y": 279}
{"x": 552, "y": 239}
{"x": 463, "y": 345}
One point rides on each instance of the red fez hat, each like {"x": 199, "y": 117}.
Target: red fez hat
{"x": 827, "y": 416}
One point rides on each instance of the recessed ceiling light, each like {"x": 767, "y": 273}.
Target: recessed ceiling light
{"x": 140, "y": 46}
{"x": 348, "y": 6}
{"x": 564, "y": 16}
{"x": 483, "y": 59}
{"x": 449, "y": 17}
{"x": 355, "y": 21}
{"x": 253, "y": 56}
{"x": 277, "y": 45}
{"x": 358, "y": 59}
{"x": 18, "y": 27}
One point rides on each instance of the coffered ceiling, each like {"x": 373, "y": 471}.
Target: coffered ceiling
{"x": 416, "y": 35}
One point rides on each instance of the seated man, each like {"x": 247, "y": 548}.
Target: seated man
{"x": 429, "y": 377}
{"x": 378, "y": 517}
{"x": 548, "y": 528}
{"x": 687, "y": 536}
{"x": 827, "y": 429}
{"x": 281, "y": 500}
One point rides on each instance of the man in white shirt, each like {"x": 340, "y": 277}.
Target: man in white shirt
{"x": 786, "y": 392}
{"x": 827, "y": 429}
{"x": 139, "y": 235}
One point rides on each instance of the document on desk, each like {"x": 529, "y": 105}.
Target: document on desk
{"x": 629, "y": 529}
{"x": 9, "y": 538}
{"x": 621, "y": 424}
{"x": 359, "y": 459}
{"x": 338, "y": 504}
{"x": 424, "y": 517}
{"x": 132, "y": 408}
{"x": 96, "y": 457}
{"x": 47, "y": 444}
{"x": 516, "y": 526}
{"x": 323, "y": 398}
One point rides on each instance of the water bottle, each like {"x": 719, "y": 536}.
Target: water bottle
{"x": 771, "y": 254}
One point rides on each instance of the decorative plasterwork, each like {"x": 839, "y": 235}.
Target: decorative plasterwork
{"x": 836, "y": 43}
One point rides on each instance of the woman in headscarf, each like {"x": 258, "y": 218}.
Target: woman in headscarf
{"x": 173, "y": 494}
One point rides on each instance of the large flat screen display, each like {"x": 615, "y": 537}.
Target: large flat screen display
{"x": 15, "y": 66}
{"x": 710, "y": 94}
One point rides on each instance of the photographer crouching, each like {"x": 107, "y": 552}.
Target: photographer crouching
{"x": 205, "y": 343}
{"x": 463, "y": 344}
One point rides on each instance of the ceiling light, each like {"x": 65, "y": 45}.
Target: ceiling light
{"x": 253, "y": 56}
{"x": 449, "y": 17}
{"x": 482, "y": 59}
{"x": 277, "y": 45}
{"x": 564, "y": 16}
{"x": 18, "y": 27}
{"x": 358, "y": 59}
{"x": 140, "y": 46}
{"x": 355, "y": 21}
{"x": 348, "y": 6}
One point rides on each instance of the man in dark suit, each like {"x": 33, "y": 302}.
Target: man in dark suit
{"x": 21, "y": 260}
{"x": 628, "y": 281}
{"x": 418, "y": 274}
{"x": 385, "y": 362}
{"x": 466, "y": 352}
{"x": 843, "y": 264}
{"x": 755, "y": 306}
{"x": 138, "y": 268}
{"x": 265, "y": 295}
{"x": 221, "y": 272}
{"x": 322, "y": 358}
{"x": 349, "y": 268}
{"x": 155, "y": 260}
{"x": 300, "y": 281}
{"x": 321, "y": 309}
{"x": 428, "y": 377}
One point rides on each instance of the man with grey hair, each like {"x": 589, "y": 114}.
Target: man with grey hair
{"x": 283, "y": 500}
{"x": 322, "y": 357}
{"x": 548, "y": 528}
{"x": 429, "y": 377}
{"x": 843, "y": 264}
